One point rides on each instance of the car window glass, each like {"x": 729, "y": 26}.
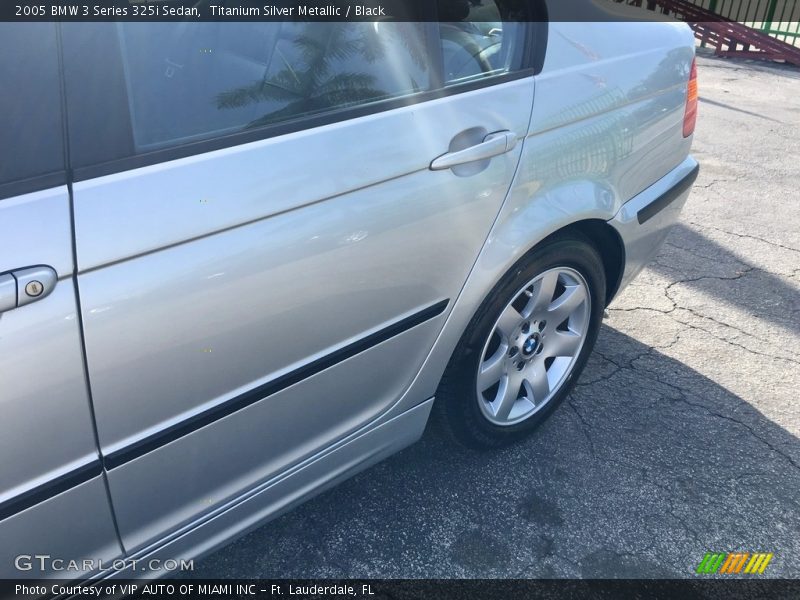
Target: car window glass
{"x": 31, "y": 132}
{"x": 202, "y": 80}
{"x": 479, "y": 39}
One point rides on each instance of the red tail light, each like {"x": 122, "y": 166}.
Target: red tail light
{"x": 690, "y": 116}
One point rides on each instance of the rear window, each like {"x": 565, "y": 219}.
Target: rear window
{"x": 201, "y": 80}
{"x": 479, "y": 39}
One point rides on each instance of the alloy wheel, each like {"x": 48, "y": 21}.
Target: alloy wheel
{"x": 533, "y": 346}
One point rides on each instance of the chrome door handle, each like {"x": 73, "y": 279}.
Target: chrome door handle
{"x": 23, "y": 286}
{"x": 492, "y": 145}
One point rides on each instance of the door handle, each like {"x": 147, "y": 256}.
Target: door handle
{"x": 492, "y": 145}
{"x": 23, "y": 286}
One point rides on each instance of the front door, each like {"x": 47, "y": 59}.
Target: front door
{"x": 54, "y": 505}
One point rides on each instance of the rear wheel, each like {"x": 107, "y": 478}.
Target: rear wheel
{"x": 526, "y": 346}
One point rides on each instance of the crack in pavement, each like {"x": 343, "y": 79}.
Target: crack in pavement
{"x": 736, "y": 344}
{"x": 584, "y": 427}
{"x": 675, "y": 313}
{"x": 749, "y": 334}
{"x": 745, "y": 235}
{"x": 698, "y": 255}
{"x": 602, "y": 377}
{"x": 682, "y": 393}
{"x": 682, "y": 397}
{"x": 670, "y": 496}
{"x": 764, "y": 441}
{"x": 677, "y": 306}
{"x": 713, "y": 182}
{"x": 552, "y": 555}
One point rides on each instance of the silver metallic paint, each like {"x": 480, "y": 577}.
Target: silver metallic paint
{"x": 8, "y": 292}
{"x": 321, "y": 246}
{"x": 43, "y": 395}
{"x": 280, "y": 494}
{"x": 74, "y": 525}
{"x": 35, "y": 230}
{"x": 642, "y": 241}
{"x": 46, "y": 426}
{"x": 167, "y": 488}
{"x": 130, "y": 213}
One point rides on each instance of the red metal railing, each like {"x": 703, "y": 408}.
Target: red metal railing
{"x": 727, "y": 36}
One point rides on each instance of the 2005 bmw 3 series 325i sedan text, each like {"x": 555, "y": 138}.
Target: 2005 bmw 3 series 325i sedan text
{"x": 241, "y": 261}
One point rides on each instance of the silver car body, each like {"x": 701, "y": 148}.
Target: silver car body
{"x": 233, "y": 331}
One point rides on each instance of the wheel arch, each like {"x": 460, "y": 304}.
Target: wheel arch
{"x": 608, "y": 243}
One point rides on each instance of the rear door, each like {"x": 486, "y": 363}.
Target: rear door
{"x": 265, "y": 255}
{"x": 53, "y": 500}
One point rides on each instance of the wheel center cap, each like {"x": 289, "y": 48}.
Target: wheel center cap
{"x": 531, "y": 345}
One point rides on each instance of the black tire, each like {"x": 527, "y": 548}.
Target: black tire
{"x": 457, "y": 402}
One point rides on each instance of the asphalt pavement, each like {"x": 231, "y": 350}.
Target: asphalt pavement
{"x": 681, "y": 437}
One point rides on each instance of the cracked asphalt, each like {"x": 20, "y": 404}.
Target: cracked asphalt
{"x": 681, "y": 437}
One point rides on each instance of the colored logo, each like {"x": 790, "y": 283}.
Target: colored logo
{"x": 731, "y": 563}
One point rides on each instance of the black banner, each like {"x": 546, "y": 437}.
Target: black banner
{"x": 213, "y": 10}
{"x": 357, "y": 10}
{"x": 473, "y": 589}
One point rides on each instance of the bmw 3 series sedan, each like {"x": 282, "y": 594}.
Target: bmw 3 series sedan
{"x": 241, "y": 261}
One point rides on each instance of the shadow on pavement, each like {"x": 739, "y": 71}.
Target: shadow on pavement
{"x": 690, "y": 259}
{"x": 647, "y": 466}
{"x": 739, "y": 110}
